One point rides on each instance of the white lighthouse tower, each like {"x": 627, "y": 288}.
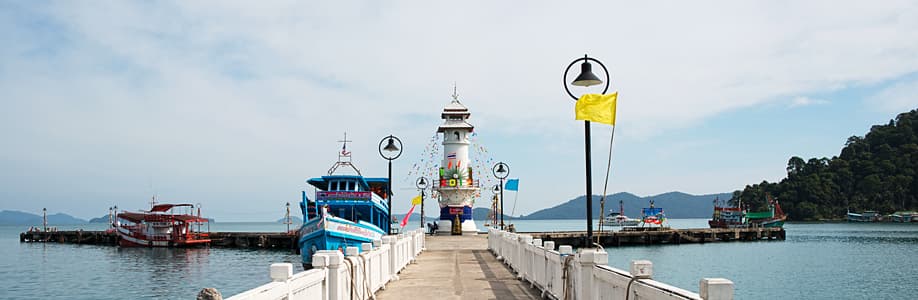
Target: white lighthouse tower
{"x": 458, "y": 186}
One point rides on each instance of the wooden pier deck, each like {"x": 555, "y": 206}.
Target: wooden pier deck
{"x": 244, "y": 240}
{"x": 662, "y": 236}
{"x": 457, "y": 267}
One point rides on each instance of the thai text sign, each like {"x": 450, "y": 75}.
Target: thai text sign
{"x": 341, "y": 195}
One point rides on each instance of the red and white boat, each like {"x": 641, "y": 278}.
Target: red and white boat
{"x": 163, "y": 226}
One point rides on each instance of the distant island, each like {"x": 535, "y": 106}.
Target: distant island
{"x": 12, "y": 217}
{"x": 878, "y": 171}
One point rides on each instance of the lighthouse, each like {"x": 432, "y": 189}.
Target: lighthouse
{"x": 458, "y": 185}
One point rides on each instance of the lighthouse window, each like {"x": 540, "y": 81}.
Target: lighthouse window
{"x": 457, "y": 135}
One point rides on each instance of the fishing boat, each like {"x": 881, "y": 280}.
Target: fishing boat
{"x": 348, "y": 210}
{"x": 165, "y": 225}
{"x": 728, "y": 217}
{"x": 774, "y": 217}
{"x": 866, "y": 216}
{"x": 618, "y": 218}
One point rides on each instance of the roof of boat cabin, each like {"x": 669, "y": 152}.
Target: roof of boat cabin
{"x": 137, "y": 217}
{"x": 167, "y": 207}
{"x": 366, "y": 183}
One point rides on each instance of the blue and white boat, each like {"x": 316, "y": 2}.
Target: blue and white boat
{"x": 348, "y": 210}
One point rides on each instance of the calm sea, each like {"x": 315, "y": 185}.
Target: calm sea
{"x": 817, "y": 261}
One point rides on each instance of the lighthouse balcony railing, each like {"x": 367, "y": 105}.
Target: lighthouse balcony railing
{"x": 459, "y": 183}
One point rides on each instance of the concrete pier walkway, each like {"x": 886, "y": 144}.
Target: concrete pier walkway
{"x": 457, "y": 267}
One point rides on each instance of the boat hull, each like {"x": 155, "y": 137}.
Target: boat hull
{"x": 128, "y": 240}
{"x": 619, "y": 223}
{"x": 332, "y": 233}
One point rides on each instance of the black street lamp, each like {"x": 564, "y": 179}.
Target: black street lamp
{"x": 393, "y": 151}
{"x": 586, "y": 79}
{"x": 422, "y": 185}
{"x": 501, "y": 171}
{"x": 496, "y": 190}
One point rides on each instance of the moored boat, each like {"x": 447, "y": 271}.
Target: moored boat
{"x": 774, "y": 217}
{"x": 163, "y": 226}
{"x": 866, "y": 216}
{"x": 903, "y": 217}
{"x": 348, "y": 210}
{"x": 618, "y": 219}
{"x": 727, "y": 217}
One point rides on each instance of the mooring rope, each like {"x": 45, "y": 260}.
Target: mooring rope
{"x": 567, "y": 279}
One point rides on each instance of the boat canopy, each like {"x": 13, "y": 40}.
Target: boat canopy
{"x": 167, "y": 207}
{"x": 137, "y": 217}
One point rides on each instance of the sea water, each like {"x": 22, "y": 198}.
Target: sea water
{"x": 817, "y": 261}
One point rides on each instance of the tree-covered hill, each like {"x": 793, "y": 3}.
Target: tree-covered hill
{"x": 873, "y": 172}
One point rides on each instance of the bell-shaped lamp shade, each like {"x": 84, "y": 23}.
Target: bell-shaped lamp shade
{"x": 422, "y": 182}
{"x": 586, "y": 77}
{"x": 391, "y": 147}
{"x": 500, "y": 169}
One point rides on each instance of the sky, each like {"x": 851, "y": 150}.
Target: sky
{"x": 234, "y": 105}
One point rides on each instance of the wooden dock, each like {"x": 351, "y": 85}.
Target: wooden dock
{"x": 242, "y": 240}
{"x": 662, "y": 236}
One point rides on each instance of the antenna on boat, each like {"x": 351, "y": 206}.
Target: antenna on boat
{"x": 341, "y": 156}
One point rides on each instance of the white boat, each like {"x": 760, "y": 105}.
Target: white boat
{"x": 618, "y": 218}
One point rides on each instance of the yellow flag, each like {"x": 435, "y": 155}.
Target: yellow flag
{"x": 597, "y": 108}
{"x": 416, "y": 200}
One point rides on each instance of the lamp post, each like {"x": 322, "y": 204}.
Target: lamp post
{"x": 287, "y": 218}
{"x": 586, "y": 79}
{"x": 390, "y": 152}
{"x": 501, "y": 171}
{"x": 422, "y": 185}
{"x": 496, "y": 190}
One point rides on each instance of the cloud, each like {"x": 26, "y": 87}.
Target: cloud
{"x": 899, "y": 97}
{"x": 805, "y": 101}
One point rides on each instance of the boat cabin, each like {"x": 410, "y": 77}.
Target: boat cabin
{"x": 351, "y": 197}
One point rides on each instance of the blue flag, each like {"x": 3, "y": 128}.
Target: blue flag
{"x": 512, "y": 184}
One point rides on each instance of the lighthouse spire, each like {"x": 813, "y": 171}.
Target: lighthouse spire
{"x": 455, "y": 94}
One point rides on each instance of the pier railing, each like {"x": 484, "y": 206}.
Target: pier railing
{"x": 563, "y": 274}
{"x": 336, "y": 275}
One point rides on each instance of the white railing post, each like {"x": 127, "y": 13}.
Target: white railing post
{"x": 536, "y": 255}
{"x": 393, "y": 256}
{"x": 716, "y": 289}
{"x": 547, "y": 248}
{"x": 589, "y": 258}
{"x": 333, "y": 262}
{"x": 280, "y": 272}
{"x": 522, "y": 251}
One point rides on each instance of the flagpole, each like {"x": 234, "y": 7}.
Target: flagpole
{"x": 602, "y": 203}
